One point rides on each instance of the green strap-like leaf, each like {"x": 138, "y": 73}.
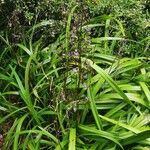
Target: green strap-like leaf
{"x": 72, "y": 139}
{"x": 100, "y": 133}
{"x": 111, "y": 82}
{"x": 136, "y": 138}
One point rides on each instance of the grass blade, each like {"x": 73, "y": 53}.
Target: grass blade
{"x": 94, "y": 110}
{"x": 72, "y": 139}
{"x": 111, "y": 82}
{"x": 44, "y": 132}
{"x": 68, "y": 28}
{"x": 26, "y": 96}
{"x": 136, "y": 138}
{"x": 100, "y": 133}
{"x": 16, "y": 135}
{"x": 118, "y": 123}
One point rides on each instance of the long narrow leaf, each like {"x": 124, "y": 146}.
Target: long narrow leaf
{"x": 94, "y": 109}
{"x": 111, "y": 82}
{"x": 72, "y": 139}
{"x": 100, "y": 133}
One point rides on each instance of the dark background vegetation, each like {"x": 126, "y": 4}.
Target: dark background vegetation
{"x": 18, "y": 16}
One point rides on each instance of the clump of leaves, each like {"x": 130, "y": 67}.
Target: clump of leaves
{"x": 74, "y": 93}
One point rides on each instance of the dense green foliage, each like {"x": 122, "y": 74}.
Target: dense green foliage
{"x": 75, "y": 74}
